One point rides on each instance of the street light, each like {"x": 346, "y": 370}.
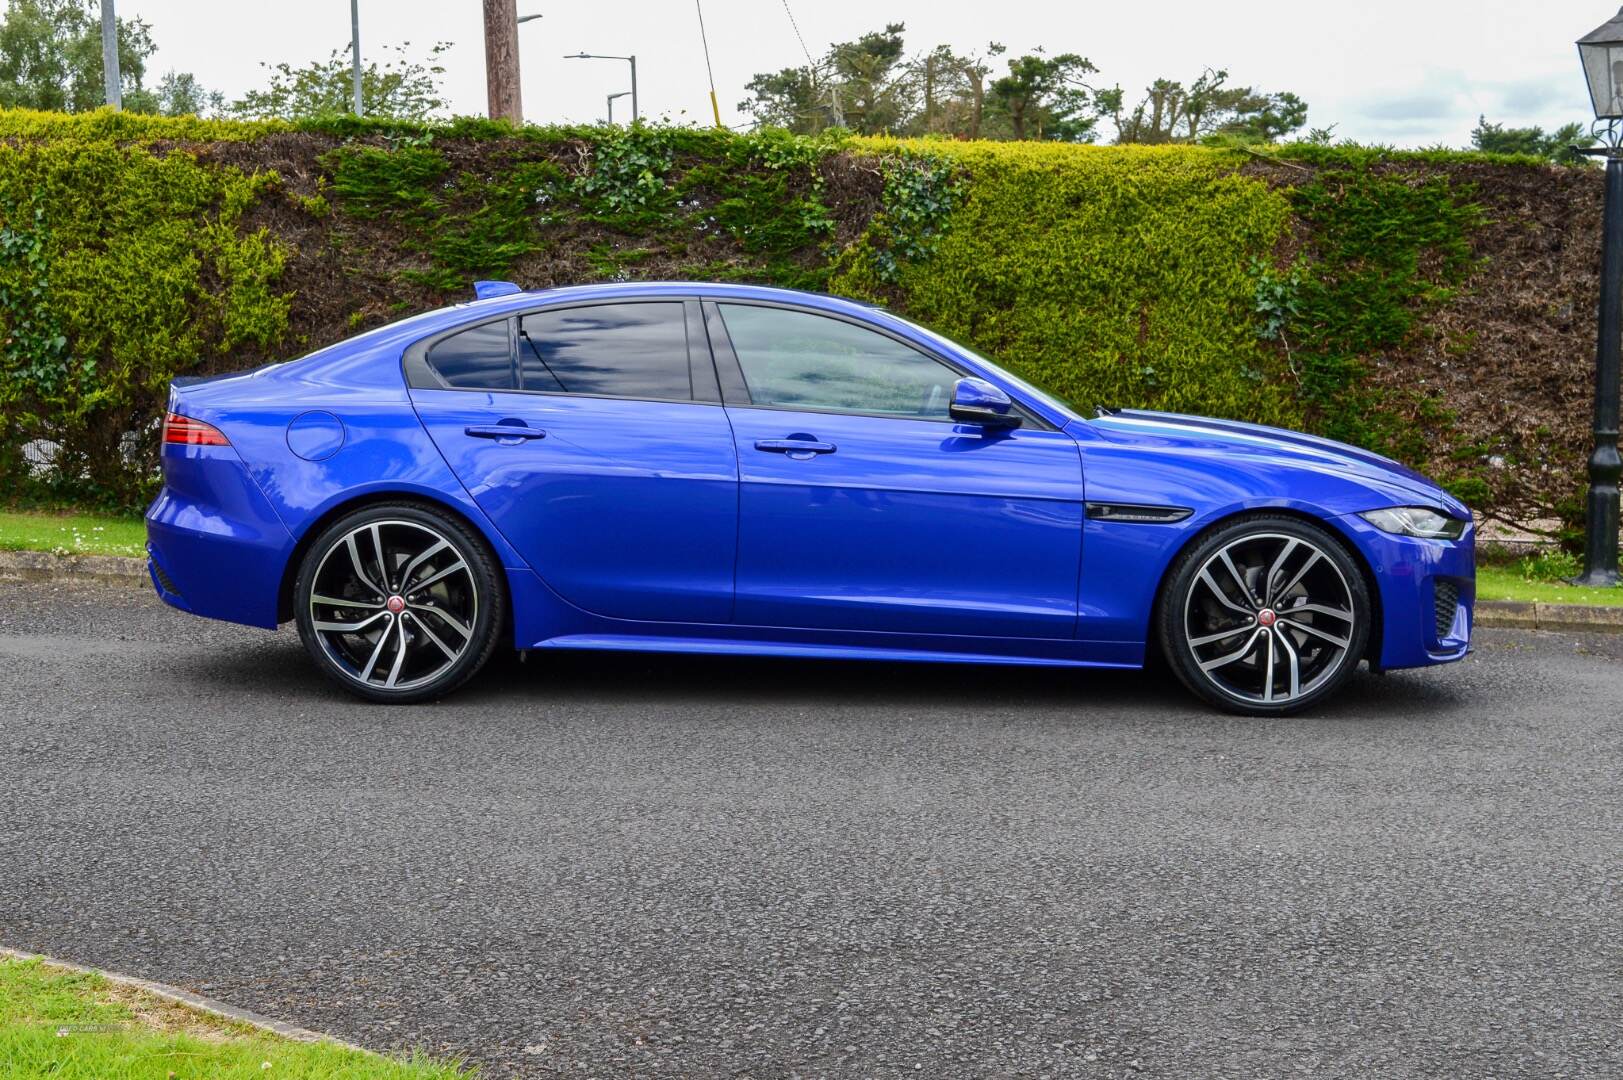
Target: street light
{"x": 1601, "y": 51}
{"x": 601, "y": 56}
{"x": 610, "y": 101}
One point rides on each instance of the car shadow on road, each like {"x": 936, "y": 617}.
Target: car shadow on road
{"x": 759, "y": 680}
{"x": 571, "y": 677}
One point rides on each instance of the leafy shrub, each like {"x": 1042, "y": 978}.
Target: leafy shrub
{"x": 1110, "y": 276}
{"x": 121, "y": 269}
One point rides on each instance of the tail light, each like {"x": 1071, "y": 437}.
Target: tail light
{"x": 188, "y": 432}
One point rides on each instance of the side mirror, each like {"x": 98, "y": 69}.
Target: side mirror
{"x": 976, "y": 401}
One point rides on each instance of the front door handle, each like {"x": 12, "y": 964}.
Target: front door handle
{"x": 511, "y": 434}
{"x": 794, "y": 447}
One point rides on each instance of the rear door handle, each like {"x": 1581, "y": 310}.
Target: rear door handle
{"x": 794, "y": 447}
{"x": 504, "y": 432}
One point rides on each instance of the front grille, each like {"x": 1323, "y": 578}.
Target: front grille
{"x": 1448, "y": 602}
{"x": 163, "y": 579}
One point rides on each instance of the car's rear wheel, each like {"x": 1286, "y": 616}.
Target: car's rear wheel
{"x": 1266, "y": 615}
{"x": 399, "y": 602}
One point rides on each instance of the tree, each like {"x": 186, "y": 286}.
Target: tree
{"x": 975, "y": 71}
{"x": 180, "y": 94}
{"x": 1264, "y": 117}
{"x": 1045, "y": 97}
{"x": 1169, "y": 111}
{"x": 872, "y": 86}
{"x": 1558, "y": 146}
{"x": 50, "y": 55}
{"x": 790, "y": 98}
{"x": 1173, "y": 112}
{"x": 859, "y": 84}
{"x": 401, "y": 88}
{"x": 938, "y": 76}
{"x": 874, "y": 94}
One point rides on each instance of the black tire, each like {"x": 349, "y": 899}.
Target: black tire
{"x": 1231, "y": 620}
{"x": 362, "y": 565}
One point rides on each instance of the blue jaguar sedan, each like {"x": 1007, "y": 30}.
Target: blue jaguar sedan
{"x": 732, "y": 469}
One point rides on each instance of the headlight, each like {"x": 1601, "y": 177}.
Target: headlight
{"x": 1421, "y": 521}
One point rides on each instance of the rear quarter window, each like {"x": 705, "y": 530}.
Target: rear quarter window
{"x": 479, "y": 358}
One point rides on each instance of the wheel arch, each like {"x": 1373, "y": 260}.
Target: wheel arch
{"x": 290, "y": 572}
{"x": 1372, "y": 650}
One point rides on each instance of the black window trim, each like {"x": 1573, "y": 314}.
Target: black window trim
{"x": 735, "y": 388}
{"x": 702, "y": 378}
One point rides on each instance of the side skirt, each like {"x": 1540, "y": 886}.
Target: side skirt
{"x": 737, "y": 647}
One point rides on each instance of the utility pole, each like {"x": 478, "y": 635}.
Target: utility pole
{"x": 355, "y": 52}
{"x": 109, "y": 55}
{"x": 501, "y": 60}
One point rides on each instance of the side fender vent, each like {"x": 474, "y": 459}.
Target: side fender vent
{"x": 1133, "y": 513}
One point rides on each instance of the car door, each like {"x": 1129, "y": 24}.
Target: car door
{"x": 864, "y": 507}
{"x": 594, "y": 437}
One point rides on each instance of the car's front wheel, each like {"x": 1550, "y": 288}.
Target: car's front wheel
{"x": 1266, "y": 615}
{"x": 399, "y": 602}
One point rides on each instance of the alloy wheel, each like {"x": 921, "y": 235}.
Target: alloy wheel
{"x": 394, "y": 604}
{"x": 1269, "y": 618}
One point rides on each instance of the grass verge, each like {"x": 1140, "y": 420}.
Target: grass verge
{"x": 71, "y": 533}
{"x": 70, "y": 1025}
{"x": 1510, "y": 583}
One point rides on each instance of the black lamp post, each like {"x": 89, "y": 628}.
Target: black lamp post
{"x": 1601, "y": 51}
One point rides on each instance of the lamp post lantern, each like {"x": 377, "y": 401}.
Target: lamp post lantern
{"x": 602, "y": 56}
{"x": 1601, "y": 51}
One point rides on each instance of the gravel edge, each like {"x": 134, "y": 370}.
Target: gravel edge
{"x": 1498, "y": 614}
{"x": 191, "y": 1000}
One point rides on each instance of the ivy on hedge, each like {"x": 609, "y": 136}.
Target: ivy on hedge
{"x": 662, "y": 187}
{"x": 1382, "y": 249}
{"x": 35, "y": 349}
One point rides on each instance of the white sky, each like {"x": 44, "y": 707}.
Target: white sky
{"x": 1408, "y": 72}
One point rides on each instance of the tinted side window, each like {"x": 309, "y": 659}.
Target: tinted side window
{"x": 476, "y": 359}
{"x": 795, "y": 360}
{"x": 612, "y": 350}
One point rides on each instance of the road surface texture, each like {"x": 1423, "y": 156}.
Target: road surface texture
{"x": 620, "y": 866}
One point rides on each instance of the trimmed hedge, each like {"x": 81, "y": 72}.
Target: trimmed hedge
{"x": 1379, "y": 297}
{"x": 1109, "y": 277}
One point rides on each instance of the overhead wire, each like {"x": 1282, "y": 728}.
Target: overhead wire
{"x": 796, "y": 27}
{"x": 715, "y": 109}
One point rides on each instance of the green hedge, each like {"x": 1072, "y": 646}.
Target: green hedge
{"x": 1109, "y": 277}
{"x": 1275, "y": 286}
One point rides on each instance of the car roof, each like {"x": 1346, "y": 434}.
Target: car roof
{"x": 617, "y": 290}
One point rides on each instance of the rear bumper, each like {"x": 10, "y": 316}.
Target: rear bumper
{"x": 214, "y": 545}
{"x": 1427, "y": 594}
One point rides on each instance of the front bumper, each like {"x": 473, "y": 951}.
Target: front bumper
{"x": 1427, "y": 594}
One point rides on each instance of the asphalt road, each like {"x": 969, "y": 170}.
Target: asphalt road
{"x": 622, "y": 866}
